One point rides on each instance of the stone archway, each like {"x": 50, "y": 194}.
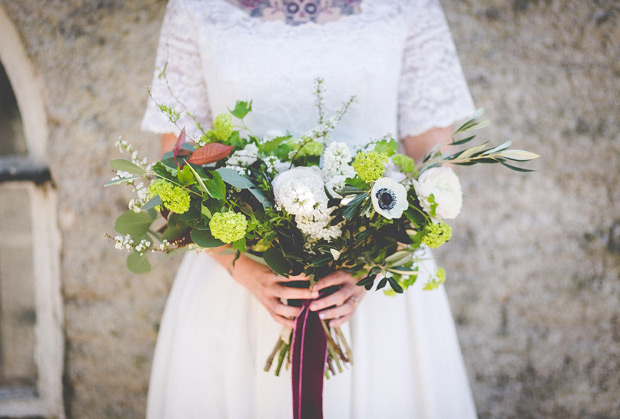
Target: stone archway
{"x": 42, "y": 237}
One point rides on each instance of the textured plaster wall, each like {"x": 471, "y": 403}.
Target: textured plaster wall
{"x": 534, "y": 267}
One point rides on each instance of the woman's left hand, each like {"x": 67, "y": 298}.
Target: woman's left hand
{"x": 345, "y": 299}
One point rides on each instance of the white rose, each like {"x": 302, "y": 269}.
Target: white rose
{"x": 444, "y": 185}
{"x": 300, "y": 191}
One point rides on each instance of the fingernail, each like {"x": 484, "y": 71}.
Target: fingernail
{"x": 313, "y": 308}
{"x": 321, "y": 316}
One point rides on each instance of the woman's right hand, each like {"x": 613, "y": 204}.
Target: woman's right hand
{"x": 267, "y": 287}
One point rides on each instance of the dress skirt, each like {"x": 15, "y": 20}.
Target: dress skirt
{"x": 215, "y": 337}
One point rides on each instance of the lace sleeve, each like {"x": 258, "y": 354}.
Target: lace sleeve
{"x": 433, "y": 91}
{"x": 182, "y": 87}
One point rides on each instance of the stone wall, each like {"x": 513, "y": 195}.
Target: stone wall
{"x": 534, "y": 267}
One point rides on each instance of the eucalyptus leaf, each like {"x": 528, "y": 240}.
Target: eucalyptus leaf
{"x": 233, "y": 178}
{"x": 136, "y": 224}
{"x": 152, "y": 203}
{"x": 138, "y": 263}
{"x": 122, "y": 180}
{"x": 204, "y": 238}
{"x": 127, "y": 166}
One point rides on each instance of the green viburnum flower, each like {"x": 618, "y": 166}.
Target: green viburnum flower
{"x": 370, "y": 165}
{"x": 175, "y": 198}
{"x": 433, "y": 284}
{"x": 223, "y": 126}
{"x": 405, "y": 163}
{"x": 436, "y": 234}
{"x": 228, "y": 226}
{"x": 312, "y": 148}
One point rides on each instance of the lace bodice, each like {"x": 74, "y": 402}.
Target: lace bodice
{"x": 396, "y": 56}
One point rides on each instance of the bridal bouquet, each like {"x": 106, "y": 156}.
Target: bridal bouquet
{"x": 300, "y": 204}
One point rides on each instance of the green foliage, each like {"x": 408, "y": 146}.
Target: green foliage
{"x": 241, "y": 109}
{"x": 136, "y": 224}
{"x": 387, "y": 146}
{"x": 127, "y": 166}
{"x": 138, "y": 263}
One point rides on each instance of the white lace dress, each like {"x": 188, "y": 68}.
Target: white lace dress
{"x": 397, "y": 57}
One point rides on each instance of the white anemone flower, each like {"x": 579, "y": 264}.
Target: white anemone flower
{"x": 389, "y": 198}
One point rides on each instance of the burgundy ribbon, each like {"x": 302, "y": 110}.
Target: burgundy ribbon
{"x": 309, "y": 353}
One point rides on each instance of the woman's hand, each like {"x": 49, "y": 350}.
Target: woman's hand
{"x": 267, "y": 287}
{"x": 345, "y": 299}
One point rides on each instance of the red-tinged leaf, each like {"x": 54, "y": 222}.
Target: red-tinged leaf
{"x": 178, "y": 145}
{"x": 210, "y": 153}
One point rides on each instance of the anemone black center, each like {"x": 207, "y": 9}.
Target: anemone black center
{"x": 386, "y": 199}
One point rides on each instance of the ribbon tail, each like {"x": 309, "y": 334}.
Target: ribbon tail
{"x": 308, "y": 353}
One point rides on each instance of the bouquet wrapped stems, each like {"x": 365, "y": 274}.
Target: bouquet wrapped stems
{"x": 339, "y": 353}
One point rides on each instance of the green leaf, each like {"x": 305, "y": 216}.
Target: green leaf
{"x": 386, "y": 146}
{"x": 498, "y": 148}
{"x": 350, "y": 190}
{"x": 382, "y": 283}
{"x": 123, "y": 180}
{"x": 515, "y": 168}
{"x": 239, "y": 245}
{"x": 152, "y": 203}
{"x": 356, "y": 182}
{"x": 175, "y": 229}
{"x": 233, "y": 178}
{"x": 138, "y": 263}
{"x": 198, "y": 179}
{"x": 471, "y": 151}
{"x": 367, "y": 282}
{"x": 269, "y": 147}
{"x": 204, "y": 238}
{"x": 395, "y": 285}
{"x": 463, "y": 141}
{"x": 241, "y": 109}
{"x": 185, "y": 176}
{"x": 136, "y": 224}
{"x": 276, "y": 261}
{"x": 216, "y": 186}
{"x": 518, "y": 155}
{"x": 127, "y": 166}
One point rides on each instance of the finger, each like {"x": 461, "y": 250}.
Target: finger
{"x": 337, "y": 298}
{"x": 282, "y": 291}
{"x": 340, "y": 321}
{"x": 336, "y": 278}
{"x": 283, "y": 321}
{"x": 339, "y": 311}
{"x": 300, "y": 277}
{"x": 283, "y": 310}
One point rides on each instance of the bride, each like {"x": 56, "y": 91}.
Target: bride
{"x": 220, "y": 322}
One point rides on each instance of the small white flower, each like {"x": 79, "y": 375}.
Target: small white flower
{"x": 245, "y": 157}
{"x": 389, "y": 198}
{"x": 444, "y": 185}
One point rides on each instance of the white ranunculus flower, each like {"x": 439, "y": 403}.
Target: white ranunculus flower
{"x": 444, "y": 185}
{"x": 389, "y": 198}
{"x": 300, "y": 191}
